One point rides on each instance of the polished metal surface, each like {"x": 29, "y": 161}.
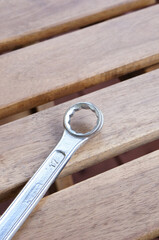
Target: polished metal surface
{"x": 38, "y": 185}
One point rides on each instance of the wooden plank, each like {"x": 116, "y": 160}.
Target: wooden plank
{"x": 51, "y": 69}
{"x": 65, "y": 182}
{"x": 45, "y": 106}
{"x": 131, "y": 113}
{"x": 151, "y": 68}
{"x": 14, "y": 117}
{"x": 24, "y": 21}
{"x": 119, "y": 204}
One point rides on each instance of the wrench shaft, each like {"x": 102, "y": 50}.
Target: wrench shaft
{"x": 38, "y": 185}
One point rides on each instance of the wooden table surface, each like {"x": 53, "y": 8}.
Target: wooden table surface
{"x": 53, "y": 55}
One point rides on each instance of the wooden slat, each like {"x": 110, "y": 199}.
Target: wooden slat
{"x": 119, "y": 204}
{"x": 65, "y": 182}
{"x": 14, "y": 117}
{"x": 45, "y": 106}
{"x": 24, "y": 21}
{"x": 60, "y": 66}
{"x": 151, "y": 68}
{"x": 131, "y": 113}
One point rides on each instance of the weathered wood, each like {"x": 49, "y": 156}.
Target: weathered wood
{"x": 51, "y": 69}
{"x": 14, "y": 117}
{"x": 151, "y": 68}
{"x": 65, "y": 182}
{"x": 45, "y": 106}
{"x": 24, "y": 21}
{"x": 131, "y": 113}
{"x": 119, "y": 204}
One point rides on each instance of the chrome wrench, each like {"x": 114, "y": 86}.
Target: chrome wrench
{"x": 38, "y": 185}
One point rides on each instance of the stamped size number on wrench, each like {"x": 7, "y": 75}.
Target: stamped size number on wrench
{"x": 37, "y": 186}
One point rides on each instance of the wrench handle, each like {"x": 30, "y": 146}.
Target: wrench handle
{"x": 38, "y": 185}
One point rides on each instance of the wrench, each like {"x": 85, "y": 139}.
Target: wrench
{"x": 38, "y": 185}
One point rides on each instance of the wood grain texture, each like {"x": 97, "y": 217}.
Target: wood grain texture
{"x": 151, "y": 68}
{"x": 65, "y": 182}
{"x": 45, "y": 106}
{"x": 119, "y": 204}
{"x": 58, "y": 67}
{"x": 14, "y": 117}
{"x": 24, "y": 21}
{"x": 131, "y": 117}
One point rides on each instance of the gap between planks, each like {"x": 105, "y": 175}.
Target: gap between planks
{"x": 119, "y": 204}
{"x": 131, "y": 113}
{"x": 58, "y": 67}
{"x": 25, "y": 22}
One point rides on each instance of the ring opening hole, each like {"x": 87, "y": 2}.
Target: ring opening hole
{"x": 83, "y": 120}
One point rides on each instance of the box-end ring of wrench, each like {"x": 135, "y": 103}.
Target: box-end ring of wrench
{"x": 38, "y": 185}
